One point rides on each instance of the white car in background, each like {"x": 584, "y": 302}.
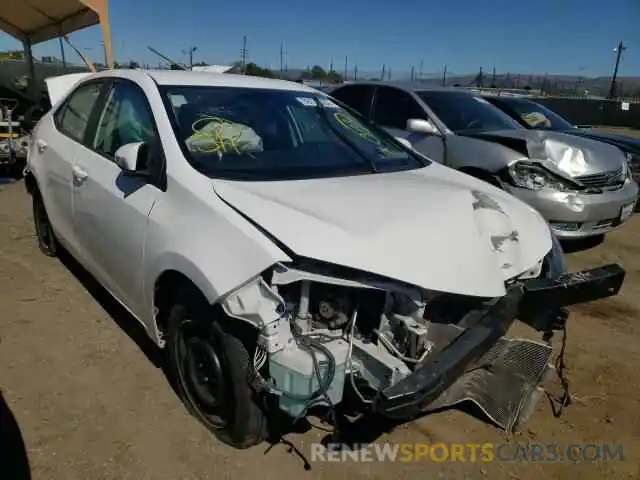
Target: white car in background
{"x": 284, "y": 250}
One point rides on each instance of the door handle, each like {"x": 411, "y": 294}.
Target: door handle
{"x": 79, "y": 174}
{"x": 41, "y": 145}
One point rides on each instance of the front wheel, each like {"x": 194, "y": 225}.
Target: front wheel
{"x": 17, "y": 168}
{"x": 210, "y": 368}
{"x": 47, "y": 242}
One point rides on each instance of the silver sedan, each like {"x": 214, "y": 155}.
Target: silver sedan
{"x": 581, "y": 186}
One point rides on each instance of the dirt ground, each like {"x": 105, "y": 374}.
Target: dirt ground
{"x": 89, "y": 402}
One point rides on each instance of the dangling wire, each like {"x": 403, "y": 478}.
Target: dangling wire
{"x": 558, "y": 403}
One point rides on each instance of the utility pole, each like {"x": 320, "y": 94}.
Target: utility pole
{"x": 281, "y": 57}
{"x": 346, "y": 66}
{"x": 382, "y": 74}
{"x": 420, "y": 71}
{"x": 64, "y": 60}
{"x": 493, "y": 78}
{"x": 444, "y": 75}
{"x": 412, "y": 73}
{"x": 618, "y": 50}
{"x": 544, "y": 84}
{"x": 331, "y": 65}
{"x": 243, "y": 55}
{"x": 480, "y": 79}
{"x": 355, "y": 72}
{"x": 189, "y": 52}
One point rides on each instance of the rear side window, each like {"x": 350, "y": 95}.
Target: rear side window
{"x": 72, "y": 119}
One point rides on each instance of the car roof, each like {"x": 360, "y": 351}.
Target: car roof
{"x": 410, "y": 86}
{"x": 508, "y": 98}
{"x": 206, "y": 79}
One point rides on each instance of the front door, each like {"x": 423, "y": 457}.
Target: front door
{"x": 111, "y": 208}
{"x": 392, "y": 108}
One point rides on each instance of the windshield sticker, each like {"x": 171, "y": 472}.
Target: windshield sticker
{"x": 307, "y": 101}
{"x": 326, "y": 103}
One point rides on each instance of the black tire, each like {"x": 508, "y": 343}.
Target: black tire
{"x": 47, "y": 242}
{"x": 218, "y": 394}
{"x": 16, "y": 169}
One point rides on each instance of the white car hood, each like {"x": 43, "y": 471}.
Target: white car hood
{"x": 423, "y": 227}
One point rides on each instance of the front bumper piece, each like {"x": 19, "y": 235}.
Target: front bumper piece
{"x": 540, "y": 303}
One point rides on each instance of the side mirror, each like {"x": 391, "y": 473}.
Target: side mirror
{"x": 404, "y": 142}
{"x": 422, "y": 126}
{"x": 131, "y": 158}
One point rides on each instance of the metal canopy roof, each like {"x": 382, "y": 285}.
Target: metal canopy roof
{"x": 37, "y": 21}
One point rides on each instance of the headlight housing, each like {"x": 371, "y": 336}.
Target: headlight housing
{"x": 535, "y": 177}
{"x": 625, "y": 176}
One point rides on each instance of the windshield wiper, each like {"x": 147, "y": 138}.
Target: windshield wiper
{"x": 323, "y": 113}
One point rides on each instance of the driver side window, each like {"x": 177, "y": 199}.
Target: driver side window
{"x": 393, "y": 107}
{"x": 126, "y": 118}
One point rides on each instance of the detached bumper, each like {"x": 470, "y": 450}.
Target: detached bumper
{"x": 539, "y": 302}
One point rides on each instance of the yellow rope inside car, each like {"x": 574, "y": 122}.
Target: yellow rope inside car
{"x": 215, "y": 141}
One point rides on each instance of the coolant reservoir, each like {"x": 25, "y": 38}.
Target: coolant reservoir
{"x": 292, "y": 370}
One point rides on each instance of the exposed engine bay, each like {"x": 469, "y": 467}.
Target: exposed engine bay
{"x": 322, "y": 333}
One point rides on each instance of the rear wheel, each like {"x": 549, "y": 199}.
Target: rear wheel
{"x": 47, "y": 242}
{"x": 210, "y": 368}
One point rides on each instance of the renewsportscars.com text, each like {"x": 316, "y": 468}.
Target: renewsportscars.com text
{"x": 467, "y": 452}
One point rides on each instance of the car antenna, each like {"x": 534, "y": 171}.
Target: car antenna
{"x": 178, "y": 66}
{"x": 90, "y": 65}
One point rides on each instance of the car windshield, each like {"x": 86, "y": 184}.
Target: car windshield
{"x": 535, "y": 115}
{"x": 462, "y": 112}
{"x": 260, "y": 134}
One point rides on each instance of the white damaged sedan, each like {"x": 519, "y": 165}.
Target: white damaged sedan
{"x": 286, "y": 253}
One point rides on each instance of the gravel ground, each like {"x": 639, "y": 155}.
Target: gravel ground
{"x": 81, "y": 387}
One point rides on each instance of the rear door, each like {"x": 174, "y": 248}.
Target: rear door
{"x": 111, "y": 208}
{"x": 55, "y": 144}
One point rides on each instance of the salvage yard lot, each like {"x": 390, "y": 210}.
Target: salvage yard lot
{"x": 91, "y": 404}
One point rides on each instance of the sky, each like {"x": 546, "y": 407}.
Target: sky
{"x": 574, "y": 37}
